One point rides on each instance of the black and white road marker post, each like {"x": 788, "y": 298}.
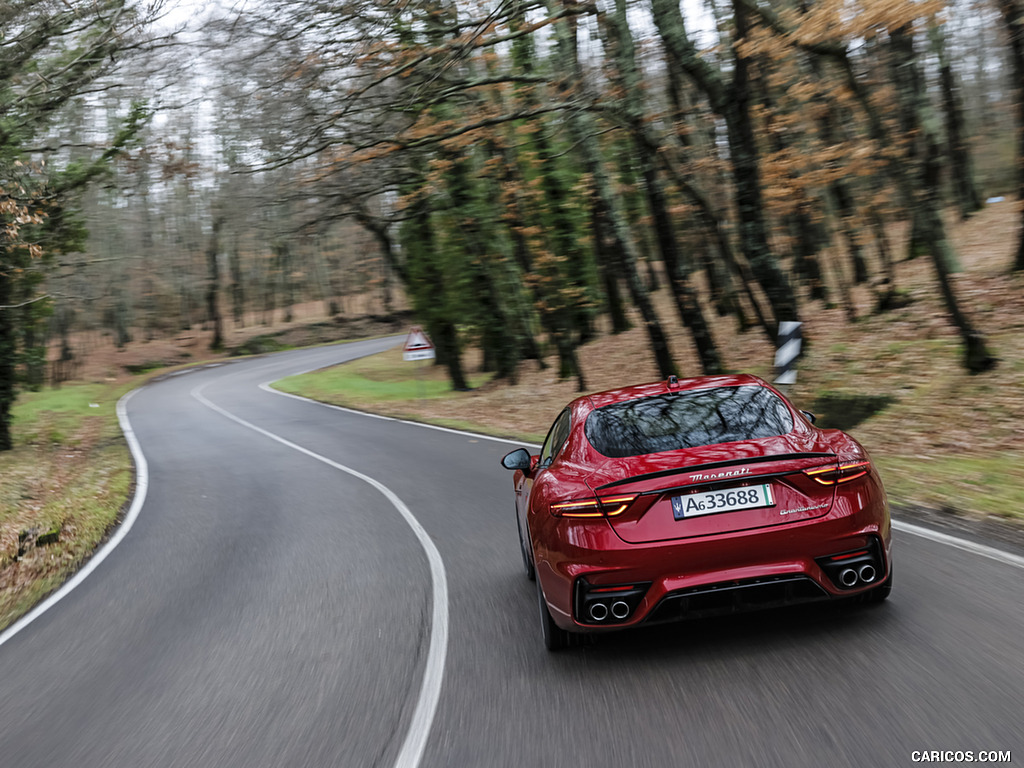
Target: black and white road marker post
{"x": 787, "y": 352}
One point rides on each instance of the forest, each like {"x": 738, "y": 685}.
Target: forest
{"x": 521, "y": 174}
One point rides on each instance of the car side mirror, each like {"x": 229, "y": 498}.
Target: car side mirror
{"x": 518, "y": 459}
{"x": 810, "y": 416}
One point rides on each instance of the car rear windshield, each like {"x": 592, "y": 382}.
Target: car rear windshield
{"x": 678, "y": 420}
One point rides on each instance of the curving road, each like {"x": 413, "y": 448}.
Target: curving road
{"x": 276, "y": 603}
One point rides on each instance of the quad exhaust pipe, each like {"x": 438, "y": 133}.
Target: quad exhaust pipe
{"x": 598, "y": 611}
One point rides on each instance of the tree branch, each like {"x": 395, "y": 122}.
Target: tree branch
{"x": 25, "y": 303}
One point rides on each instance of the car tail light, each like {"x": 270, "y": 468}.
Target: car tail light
{"x": 842, "y": 473}
{"x": 616, "y": 505}
{"x": 606, "y": 506}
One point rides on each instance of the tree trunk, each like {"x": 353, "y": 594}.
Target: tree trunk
{"x": 8, "y": 351}
{"x": 283, "y": 256}
{"x": 1013, "y": 17}
{"x": 749, "y": 200}
{"x": 122, "y": 325}
{"x": 33, "y": 349}
{"x": 184, "y": 298}
{"x": 497, "y": 331}
{"x": 888, "y": 293}
{"x": 806, "y": 263}
{"x": 237, "y": 284}
{"x": 270, "y": 280}
{"x": 961, "y": 165}
{"x": 653, "y": 281}
{"x": 843, "y": 289}
{"x": 609, "y": 276}
{"x": 213, "y": 312}
{"x": 427, "y": 288}
{"x": 64, "y": 366}
{"x": 840, "y": 190}
{"x": 379, "y": 230}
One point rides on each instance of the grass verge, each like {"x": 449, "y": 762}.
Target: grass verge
{"x": 981, "y": 486}
{"x": 64, "y": 484}
{"x": 384, "y": 383}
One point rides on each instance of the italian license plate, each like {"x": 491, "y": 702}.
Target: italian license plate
{"x": 711, "y": 502}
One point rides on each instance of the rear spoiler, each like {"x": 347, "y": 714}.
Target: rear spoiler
{"x": 715, "y": 465}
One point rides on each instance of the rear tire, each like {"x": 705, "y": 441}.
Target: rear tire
{"x": 555, "y": 638}
{"x": 881, "y": 592}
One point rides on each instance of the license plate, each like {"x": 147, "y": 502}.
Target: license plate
{"x": 711, "y": 502}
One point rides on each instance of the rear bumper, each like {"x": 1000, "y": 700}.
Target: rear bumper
{"x": 733, "y": 597}
{"x": 710, "y": 575}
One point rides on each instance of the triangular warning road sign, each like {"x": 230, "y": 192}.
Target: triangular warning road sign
{"x": 417, "y": 340}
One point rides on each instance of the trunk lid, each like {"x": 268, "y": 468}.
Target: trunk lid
{"x": 715, "y": 489}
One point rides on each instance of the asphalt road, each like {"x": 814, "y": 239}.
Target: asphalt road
{"x": 271, "y": 608}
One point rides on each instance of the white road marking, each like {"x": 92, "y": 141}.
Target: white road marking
{"x": 983, "y": 550}
{"x": 141, "y": 487}
{"x": 430, "y": 691}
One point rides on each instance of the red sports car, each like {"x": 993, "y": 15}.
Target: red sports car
{"x": 694, "y": 497}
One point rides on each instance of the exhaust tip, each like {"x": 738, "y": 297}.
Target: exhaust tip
{"x": 598, "y": 611}
{"x": 620, "y": 609}
{"x": 867, "y": 573}
{"x": 848, "y": 577}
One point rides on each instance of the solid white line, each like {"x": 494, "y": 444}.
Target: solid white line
{"x": 141, "y": 486}
{"x": 430, "y": 691}
{"x": 983, "y": 550}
